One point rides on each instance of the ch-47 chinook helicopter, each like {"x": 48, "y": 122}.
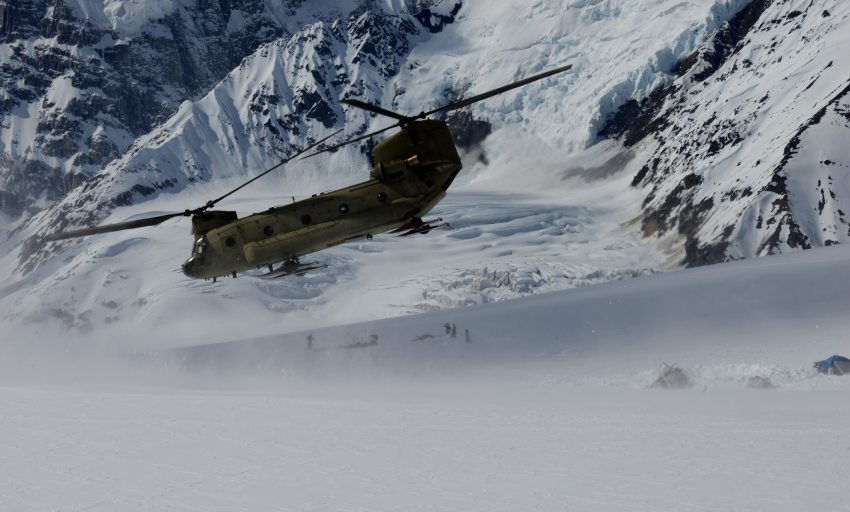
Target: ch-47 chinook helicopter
{"x": 412, "y": 170}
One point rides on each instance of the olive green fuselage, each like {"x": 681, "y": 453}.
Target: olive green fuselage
{"x": 411, "y": 173}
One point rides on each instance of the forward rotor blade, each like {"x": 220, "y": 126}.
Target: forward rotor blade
{"x": 377, "y": 110}
{"x": 152, "y": 221}
{"x": 300, "y": 152}
{"x": 109, "y": 228}
{"x": 351, "y": 141}
{"x": 469, "y": 101}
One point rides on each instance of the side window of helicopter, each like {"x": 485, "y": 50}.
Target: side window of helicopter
{"x": 382, "y": 197}
{"x": 343, "y": 208}
{"x": 268, "y": 231}
{"x": 230, "y": 241}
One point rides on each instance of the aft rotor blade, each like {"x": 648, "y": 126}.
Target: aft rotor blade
{"x": 469, "y": 101}
{"x": 351, "y": 141}
{"x": 300, "y": 152}
{"x": 377, "y": 110}
{"x": 109, "y": 228}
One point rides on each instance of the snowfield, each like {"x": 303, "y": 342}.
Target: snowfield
{"x": 549, "y": 405}
{"x": 488, "y": 447}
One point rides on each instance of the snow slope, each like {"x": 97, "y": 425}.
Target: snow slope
{"x": 771, "y": 312}
{"x": 548, "y": 407}
{"x": 745, "y": 157}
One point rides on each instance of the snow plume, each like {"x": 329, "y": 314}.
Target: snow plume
{"x": 721, "y": 325}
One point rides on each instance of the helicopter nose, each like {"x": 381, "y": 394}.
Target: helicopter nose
{"x": 189, "y": 268}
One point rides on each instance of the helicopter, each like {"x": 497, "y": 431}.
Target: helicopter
{"x": 411, "y": 172}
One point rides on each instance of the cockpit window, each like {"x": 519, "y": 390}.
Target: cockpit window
{"x": 199, "y": 247}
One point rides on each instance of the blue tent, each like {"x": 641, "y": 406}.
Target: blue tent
{"x": 835, "y": 365}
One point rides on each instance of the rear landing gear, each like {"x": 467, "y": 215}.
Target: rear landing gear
{"x": 418, "y": 225}
{"x": 292, "y": 267}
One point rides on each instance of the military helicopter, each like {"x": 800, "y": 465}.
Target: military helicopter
{"x": 411, "y": 172}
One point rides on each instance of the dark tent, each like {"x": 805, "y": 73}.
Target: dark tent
{"x": 835, "y": 365}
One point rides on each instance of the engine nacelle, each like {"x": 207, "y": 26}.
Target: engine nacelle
{"x": 206, "y": 221}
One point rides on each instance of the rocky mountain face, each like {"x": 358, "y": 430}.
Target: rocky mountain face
{"x": 79, "y": 87}
{"x": 745, "y": 158}
{"x": 76, "y": 94}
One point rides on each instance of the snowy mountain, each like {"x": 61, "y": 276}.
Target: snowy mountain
{"x": 745, "y": 152}
{"x": 82, "y": 80}
{"x": 624, "y": 166}
{"x": 262, "y": 109}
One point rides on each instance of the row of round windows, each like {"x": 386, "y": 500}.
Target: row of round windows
{"x": 306, "y": 219}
